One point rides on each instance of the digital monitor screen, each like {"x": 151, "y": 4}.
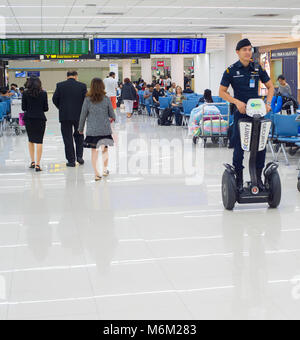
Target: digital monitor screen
{"x": 165, "y": 46}
{"x": 33, "y": 74}
{"x": 108, "y": 46}
{"x": 20, "y": 74}
{"x": 14, "y": 47}
{"x": 74, "y": 46}
{"x": 136, "y": 46}
{"x": 192, "y": 46}
{"x": 44, "y": 46}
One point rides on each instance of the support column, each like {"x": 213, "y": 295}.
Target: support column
{"x": 201, "y": 72}
{"x": 231, "y": 41}
{"x": 177, "y": 69}
{"x": 146, "y": 70}
{"x": 126, "y": 66}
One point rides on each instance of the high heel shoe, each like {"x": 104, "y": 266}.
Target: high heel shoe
{"x": 105, "y": 173}
{"x": 38, "y": 168}
{"x": 32, "y": 166}
{"x": 98, "y": 178}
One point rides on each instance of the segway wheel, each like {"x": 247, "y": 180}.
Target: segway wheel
{"x": 195, "y": 140}
{"x": 229, "y": 190}
{"x": 275, "y": 190}
{"x": 298, "y": 185}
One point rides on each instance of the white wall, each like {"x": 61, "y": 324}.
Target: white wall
{"x": 217, "y": 68}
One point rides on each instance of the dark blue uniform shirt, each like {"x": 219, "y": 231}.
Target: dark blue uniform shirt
{"x": 240, "y": 78}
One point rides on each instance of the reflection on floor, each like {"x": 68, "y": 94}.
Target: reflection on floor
{"x": 140, "y": 245}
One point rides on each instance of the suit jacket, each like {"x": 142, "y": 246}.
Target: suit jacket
{"x": 68, "y": 98}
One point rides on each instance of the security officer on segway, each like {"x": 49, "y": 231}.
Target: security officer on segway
{"x": 244, "y": 78}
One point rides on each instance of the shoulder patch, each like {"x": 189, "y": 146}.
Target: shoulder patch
{"x": 227, "y": 70}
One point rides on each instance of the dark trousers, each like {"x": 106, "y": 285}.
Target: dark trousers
{"x": 69, "y": 130}
{"x": 238, "y": 153}
{"x": 156, "y": 105}
{"x": 178, "y": 115}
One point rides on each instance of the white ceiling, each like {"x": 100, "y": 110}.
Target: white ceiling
{"x": 213, "y": 18}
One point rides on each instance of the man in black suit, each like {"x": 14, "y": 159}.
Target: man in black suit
{"x": 68, "y": 98}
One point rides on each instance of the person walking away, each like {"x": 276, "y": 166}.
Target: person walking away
{"x": 34, "y": 106}
{"x": 129, "y": 96}
{"x": 68, "y": 98}
{"x": 98, "y": 111}
{"x": 111, "y": 86}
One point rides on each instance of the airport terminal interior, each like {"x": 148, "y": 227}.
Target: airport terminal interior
{"x": 164, "y": 232}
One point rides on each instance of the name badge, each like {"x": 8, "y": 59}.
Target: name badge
{"x": 252, "y": 83}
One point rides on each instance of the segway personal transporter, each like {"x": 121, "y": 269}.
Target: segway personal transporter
{"x": 254, "y": 137}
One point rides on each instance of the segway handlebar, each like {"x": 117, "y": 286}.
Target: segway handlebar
{"x": 256, "y": 107}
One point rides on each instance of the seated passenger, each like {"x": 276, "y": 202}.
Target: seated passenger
{"x": 177, "y": 105}
{"x": 172, "y": 89}
{"x": 148, "y": 97}
{"x": 207, "y": 98}
{"x": 188, "y": 89}
{"x": 157, "y": 92}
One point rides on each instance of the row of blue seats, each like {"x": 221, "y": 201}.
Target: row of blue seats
{"x": 5, "y": 106}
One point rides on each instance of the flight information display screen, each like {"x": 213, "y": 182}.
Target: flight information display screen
{"x": 44, "y": 46}
{"x": 137, "y": 46}
{"x": 74, "y": 46}
{"x": 14, "y": 47}
{"x": 165, "y": 46}
{"x": 192, "y": 46}
{"x": 108, "y": 46}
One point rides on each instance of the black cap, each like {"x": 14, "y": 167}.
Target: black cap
{"x": 243, "y": 43}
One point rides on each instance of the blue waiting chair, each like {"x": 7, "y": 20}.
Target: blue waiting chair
{"x": 164, "y": 103}
{"x": 188, "y": 106}
{"x": 285, "y": 132}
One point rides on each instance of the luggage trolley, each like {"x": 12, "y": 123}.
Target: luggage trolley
{"x": 14, "y": 121}
{"x": 214, "y": 126}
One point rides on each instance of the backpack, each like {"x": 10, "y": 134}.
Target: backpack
{"x": 287, "y": 103}
{"x": 166, "y": 117}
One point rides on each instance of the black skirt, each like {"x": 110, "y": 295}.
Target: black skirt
{"x": 94, "y": 142}
{"x": 35, "y": 130}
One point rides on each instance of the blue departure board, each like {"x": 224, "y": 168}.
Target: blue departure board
{"x": 108, "y": 46}
{"x": 165, "y": 46}
{"x": 136, "y": 46}
{"x": 192, "y": 46}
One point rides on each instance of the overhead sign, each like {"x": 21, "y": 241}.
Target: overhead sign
{"x": 33, "y": 74}
{"x": 160, "y": 64}
{"x": 68, "y": 56}
{"x": 284, "y": 53}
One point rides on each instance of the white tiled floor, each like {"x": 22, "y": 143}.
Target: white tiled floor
{"x": 139, "y": 246}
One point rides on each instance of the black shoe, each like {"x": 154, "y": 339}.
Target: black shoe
{"x": 71, "y": 165}
{"x": 80, "y": 161}
{"x": 32, "y": 165}
{"x": 38, "y": 168}
{"x": 240, "y": 180}
{"x": 260, "y": 182}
